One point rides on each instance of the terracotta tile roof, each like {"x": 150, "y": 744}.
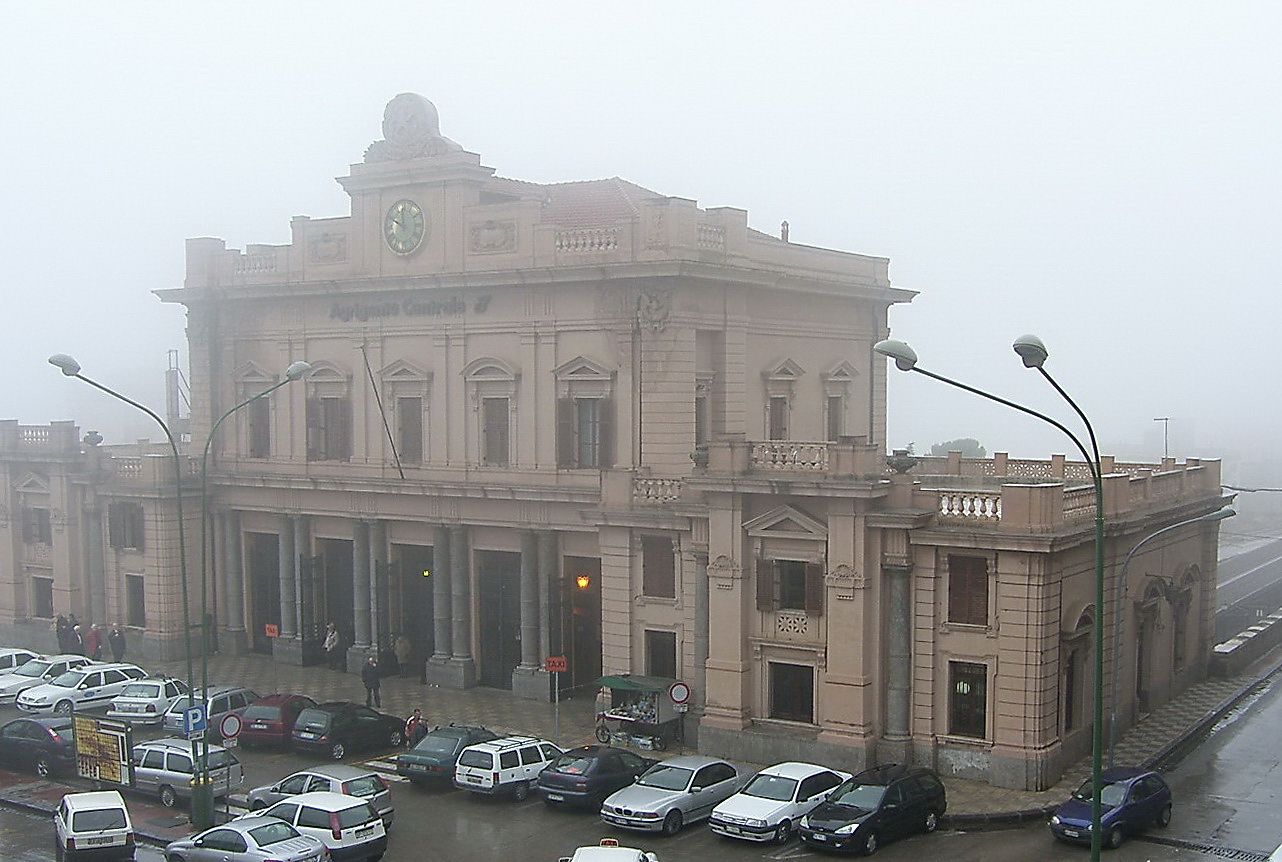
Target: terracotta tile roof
{"x": 578, "y": 204}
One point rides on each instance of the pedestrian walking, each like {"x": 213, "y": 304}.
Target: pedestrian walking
{"x": 373, "y": 678}
{"x": 93, "y": 643}
{"x": 62, "y": 628}
{"x": 116, "y": 640}
{"x": 415, "y": 728}
{"x": 76, "y": 641}
{"x": 333, "y": 647}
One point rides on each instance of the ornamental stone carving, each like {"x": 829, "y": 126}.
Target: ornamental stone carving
{"x": 411, "y": 130}
{"x": 723, "y": 572}
{"x": 490, "y": 237}
{"x": 844, "y": 580}
{"x": 327, "y": 247}
{"x": 653, "y": 308}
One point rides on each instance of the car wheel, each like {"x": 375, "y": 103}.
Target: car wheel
{"x": 396, "y": 740}
{"x": 1164, "y": 816}
{"x": 257, "y": 805}
{"x": 931, "y": 823}
{"x": 168, "y": 797}
{"x": 602, "y": 733}
{"x": 871, "y": 843}
{"x": 521, "y": 791}
{"x": 1114, "y": 838}
{"x": 63, "y": 707}
{"x": 337, "y": 751}
{"x": 672, "y": 823}
{"x": 783, "y": 832}
{"x": 44, "y": 768}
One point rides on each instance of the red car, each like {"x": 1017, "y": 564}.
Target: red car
{"x": 270, "y": 720}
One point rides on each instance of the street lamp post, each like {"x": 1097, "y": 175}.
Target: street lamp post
{"x": 71, "y": 368}
{"x": 1118, "y": 617}
{"x": 202, "y": 797}
{"x": 1033, "y": 352}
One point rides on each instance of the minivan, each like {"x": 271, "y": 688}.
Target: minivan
{"x": 508, "y": 765}
{"x": 93, "y": 825}
{"x": 874, "y": 806}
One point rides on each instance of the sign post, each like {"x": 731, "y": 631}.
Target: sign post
{"x": 556, "y": 665}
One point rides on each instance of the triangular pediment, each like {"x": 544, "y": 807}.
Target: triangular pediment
{"x": 33, "y": 483}
{"x": 582, "y": 368}
{"x": 783, "y": 369}
{"x": 841, "y": 371}
{"x": 786, "y": 522}
{"x": 252, "y": 372}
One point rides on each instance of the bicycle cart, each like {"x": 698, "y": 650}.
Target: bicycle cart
{"x": 645, "y": 711}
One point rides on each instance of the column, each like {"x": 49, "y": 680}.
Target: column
{"x": 361, "y": 586}
{"x": 528, "y": 679}
{"x": 95, "y": 570}
{"x": 462, "y": 666}
{"x": 287, "y": 560}
{"x": 548, "y": 581}
{"x": 376, "y": 542}
{"x": 237, "y": 641}
{"x": 441, "y": 607}
{"x": 899, "y": 628}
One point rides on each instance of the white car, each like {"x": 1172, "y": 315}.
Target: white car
{"x": 83, "y": 688}
{"x": 94, "y": 825}
{"x": 770, "y": 805}
{"x": 510, "y": 765}
{"x": 11, "y": 659}
{"x": 38, "y": 670}
{"x": 144, "y": 701}
{"x": 348, "y": 825}
{"x": 610, "y": 851}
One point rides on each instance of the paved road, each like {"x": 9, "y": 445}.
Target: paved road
{"x": 1249, "y": 587}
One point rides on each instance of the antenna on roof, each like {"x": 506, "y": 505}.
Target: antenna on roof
{"x": 783, "y": 231}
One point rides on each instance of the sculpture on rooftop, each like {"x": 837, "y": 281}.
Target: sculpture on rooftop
{"x": 411, "y": 130}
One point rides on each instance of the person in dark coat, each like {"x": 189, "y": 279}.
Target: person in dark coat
{"x": 62, "y": 627}
{"x": 372, "y": 677}
{"x": 76, "y": 641}
{"x": 116, "y": 640}
{"x": 93, "y": 643}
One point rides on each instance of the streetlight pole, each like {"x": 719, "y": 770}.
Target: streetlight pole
{"x": 1028, "y": 348}
{"x": 202, "y": 795}
{"x": 71, "y": 368}
{"x": 1118, "y": 618}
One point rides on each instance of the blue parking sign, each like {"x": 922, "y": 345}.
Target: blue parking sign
{"x": 195, "y": 721}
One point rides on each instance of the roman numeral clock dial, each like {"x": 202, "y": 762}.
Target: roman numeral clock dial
{"x": 404, "y": 227}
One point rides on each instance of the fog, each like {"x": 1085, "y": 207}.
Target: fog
{"x": 1102, "y": 174}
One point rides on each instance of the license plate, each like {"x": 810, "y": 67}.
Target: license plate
{"x": 555, "y": 797}
{"x": 105, "y": 840}
{"x": 258, "y": 725}
{"x": 361, "y": 833}
{"x": 1072, "y": 833}
{"x": 474, "y": 779}
{"x": 416, "y": 767}
{"x": 306, "y": 734}
{"x": 733, "y": 830}
{"x": 822, "y": 838}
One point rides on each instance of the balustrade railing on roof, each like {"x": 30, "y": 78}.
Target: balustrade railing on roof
{"x": 648, "y": 490}
{"x": 790, "y": 455}
{"x": 970, "y": 507}
{"x": 584, "y": 240}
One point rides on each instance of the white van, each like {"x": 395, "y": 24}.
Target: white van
{"x": 508, "y": 765}
{"x": 94, "y": 825}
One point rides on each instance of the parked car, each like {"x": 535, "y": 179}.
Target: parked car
{"x": 145, "y": 701}
{"x": 93, "y": 825}
{"x": 270, "y": 720}
{"x": 45, "y": 746}
{"x": 1131, "y": 799}
{"x": 164, "y": 767}
{"x": 331, "y": 778}
{"x": 769, "y": 806}
{"x": 509, "y": 765}
{"x": 609, "y": 851}
{"x": 87, "y": 687}
{"x": 248, "y": 839}
{"x": 11, "y": 659}
{"x": 672, "y": 793}
{"x": 35, "y": 672}
{"x": 348, "y": 825}
{"x": 875, "y": 806}
{"x": 335, "y": 728}
{"x": 588, "y": 774}
{"x": 220, "y": 701}
{"x": 433, "y": 759}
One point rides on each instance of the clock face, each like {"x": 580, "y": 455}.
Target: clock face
{"x": 404, "y": 227}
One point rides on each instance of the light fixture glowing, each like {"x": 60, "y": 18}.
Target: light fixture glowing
{"x": 583, "y": 581}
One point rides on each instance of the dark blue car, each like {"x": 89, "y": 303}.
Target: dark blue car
{"x": 1131, "y": 799}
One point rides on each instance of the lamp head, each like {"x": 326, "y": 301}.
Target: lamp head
{"x": 1030, "y": 349}
{"x": 65, "y": 363}
{"x": 905, "y": 357}
{"x": 295, "y": 370}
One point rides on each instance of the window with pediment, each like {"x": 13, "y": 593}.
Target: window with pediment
{"x": 406, "y": 390}
{"x": 780, "y": 382}
{"x": 492, "y": 390}
{"x": 837, "y": 386}
{"x": 584, "y": 415}
{"x": 256, "y": 416}
{"x": 329, "y": 413}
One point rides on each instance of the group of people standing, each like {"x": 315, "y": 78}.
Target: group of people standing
{"x": 74, "y": 640}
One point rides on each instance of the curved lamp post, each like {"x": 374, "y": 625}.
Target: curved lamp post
{"x": 1117, "y": 615}
{"x": 71, "y": 368}
{"x": 1033, "y": 352}
{"x": 202, "y": 801}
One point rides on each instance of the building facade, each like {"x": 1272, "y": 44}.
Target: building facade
{"x": 587, "y": 419}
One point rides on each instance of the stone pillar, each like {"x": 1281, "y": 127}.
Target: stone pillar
{"x": 361, "y": 589}
{"x": 528, "y": 679}
{"x": 461, "y": 670}
{"x": 899, "y": 628}
{"x": 441, "y": 612}
{"x": 376, "y": 534}
{"x": 95, "y": 568}
{"x": 548, "y": 581}
{"x": 236, "y": 640}
{"x": 287, "y": 560}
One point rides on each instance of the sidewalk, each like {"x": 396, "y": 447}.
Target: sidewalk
{"x": 1160, "y": 739}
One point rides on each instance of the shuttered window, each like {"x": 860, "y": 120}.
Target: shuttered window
{"x": 585, "y": 433}
{"x": 495, "y": 450}
{"x": 125, "y": 526}
{"x": 967, "y": 590}
{"x": 658, "y": 567}
{"x": 259, "y": 413}
{"x": 790, "y": 585}
{"x": 409, "y": 430}
{"x": 328, "y": 429}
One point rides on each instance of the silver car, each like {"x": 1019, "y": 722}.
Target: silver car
{"x": 248, "y": 839}
{"x": 37, "y": 671}
{"x": 164, "y": 767}
{"x": 673, "y": 793}
{"x": 332, "y": 778}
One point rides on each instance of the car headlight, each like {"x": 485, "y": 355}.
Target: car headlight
{"x": 754, "y": 821}
{"x": 805, "y": 821}
{"x": 847, "y": 829}
{"x": 1054, "y": 819}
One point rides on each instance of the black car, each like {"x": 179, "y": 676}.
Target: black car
{"x": 588, "y": 774}
{"x": 434, "y": 757}
{"x": 45, "y": 746}
{"x": 875, "y": 806}
{"x": 337, "y": 727}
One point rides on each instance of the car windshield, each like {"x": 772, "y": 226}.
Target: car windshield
{"x": 271, "y": 833}
{"x": 180, "y": 705}
{"x": 437, "y": 745}
{"x": 571, "y": 764}
{"x": 97, "y": 819}
{"x": 1110, "y": 795}
{"x": 312, "y": 719}
{"x": 366, "y": 785}
{"x": 221, "y": 759}
{"x": 357, "y": 815}
{"x": 70, "y": 679}
{"x": 261, "y": 713}
{"x": 865, "y": 796}
{"x": 141, "y": 689}
{"x": 666, "y": 777}
{"x": 35, "y": 668}
{"x": 771, "y": 787}
{"x": 476, "y": 759}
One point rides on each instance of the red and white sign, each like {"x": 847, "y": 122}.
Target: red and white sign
{"x": 230, "y": 726}
{"x": 679, "y": 692}
{"x": 556, "y": 664}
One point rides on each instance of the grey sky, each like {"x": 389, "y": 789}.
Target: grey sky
{"x": 1103, "y": 174}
